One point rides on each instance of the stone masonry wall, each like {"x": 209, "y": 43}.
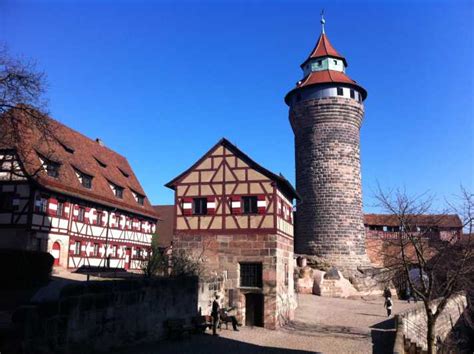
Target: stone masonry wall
{"x": 329, "y": 221}
{"x": 412, "y": 329}
{"x": 101, "y": 316}
{"x": 221, "y": 255}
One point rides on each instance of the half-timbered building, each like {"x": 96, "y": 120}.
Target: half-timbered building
{"x": 238, "y": 217}
{"x": 69, "y": 195}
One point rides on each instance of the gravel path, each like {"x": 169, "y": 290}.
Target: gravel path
{"x": 321, "y": 325}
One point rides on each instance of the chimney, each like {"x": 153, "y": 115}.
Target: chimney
{"x": 100, "y": 142}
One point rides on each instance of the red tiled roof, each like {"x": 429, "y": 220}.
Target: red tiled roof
{"x": 442, "y": 220}
{"x": 324, "y": 48}
{"x": 165, "y": 226}
{"x": 327, "y": 77}
{"x": 73, "y": 150}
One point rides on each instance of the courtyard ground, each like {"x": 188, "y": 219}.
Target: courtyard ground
{"x": 321, "y": 325}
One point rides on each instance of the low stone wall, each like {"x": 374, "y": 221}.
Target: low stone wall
{"x": 412, "y": 328}
{"x": 106, "y": 315}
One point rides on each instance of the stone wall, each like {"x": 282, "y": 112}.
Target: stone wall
{"x": 222, "y": 255}
{"x": 412, "y": 329}
{"x": 329, "y": 221}
{"x": 101, "y": 316}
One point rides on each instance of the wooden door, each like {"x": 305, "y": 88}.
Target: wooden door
{"x": 128, "y": 257}
{"x": 254, "y": 310}
{"x": 55, "y": 252}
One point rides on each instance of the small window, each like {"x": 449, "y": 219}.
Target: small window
{"x": 200, "y": 206}
{"x": 66, "y": 147}
{"x": 340, "y": 92}
{"x": 6, "y": 201}
{"x": 100, "y": 215}
{"x": 139, "y": 252}
{"x": 51, "y": 167}
{"x": 81, "y": 214}
{"x": 125, "y": 174}
{"x": 320, "y": 62}
{"x": 140, "y": 199}
{"x": 251, "y": 275}
{"x": 77, "y": 248}
{"x": 96, "y": 249}
{"x": 114, "y": 251}
{"x": 335, "y": 62}
{"x": 352, "y": 93}
{"x": 41, "y": 205}
{"x": 250, "y": 205}
{"x": 118, "y": 191}
{"x": 84, "y": 179}
{"x": 60, "y": 209}
{"x": 359, "y": 97}
{"x": 287, "y": 274}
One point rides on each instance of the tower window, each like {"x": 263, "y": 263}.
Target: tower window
{"x": 340, "y": 92}
{"x": 335, "y": 62}
{"x": 251, "y": 275}
{"x": 320, "y": 62}
{"x": 352, "y": 94}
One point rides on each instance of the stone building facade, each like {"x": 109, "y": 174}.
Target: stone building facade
{"x": 236, "y": 217}
{"x": 326, "y": 112}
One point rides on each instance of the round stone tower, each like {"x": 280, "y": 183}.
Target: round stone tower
{"x": 326, "y": 111}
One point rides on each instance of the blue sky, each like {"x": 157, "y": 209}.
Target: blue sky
{"x": 160, "y": 82}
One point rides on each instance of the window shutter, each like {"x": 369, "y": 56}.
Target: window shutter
{"x": 236, "y": 204}
{"x": 187, "y": 205}
{"x": 211, "y": 205}
{"x": 75, "y": 212}
{"x": 261, "y": 204}
{"x": 67, "y": 209}
{"x": 52, "y": 206}
{"x": 105, "y": 215}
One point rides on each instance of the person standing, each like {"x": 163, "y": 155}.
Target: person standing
{"x": 387, "y": 293}
{"x": 215, "y": 314}
{"x": 388, "y": 305}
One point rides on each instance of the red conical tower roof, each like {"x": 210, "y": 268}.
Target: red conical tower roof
{"x": 324, "y": 48}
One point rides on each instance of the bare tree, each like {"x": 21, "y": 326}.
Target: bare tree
{"x": 22, "y": 108}
{"x": 432, "y": 267}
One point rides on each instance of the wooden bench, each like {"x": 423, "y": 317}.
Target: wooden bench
{"x": 177, "y": 328}
{"x": 201, "y": 323}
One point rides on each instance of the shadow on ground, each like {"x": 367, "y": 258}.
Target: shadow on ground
{"x": 314, "y": 329}
{"x": 383, "y": 336}
{"x": 203, "y": 344}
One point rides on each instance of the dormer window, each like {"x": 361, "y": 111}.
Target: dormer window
{"x": 335, "y": 62}
{"x": 140, "y": 199}
{"x": 118, "y": 191}
{"x": 66, "y": 147}
{"x": 101, "y": 163}
{"x": 84, "y": 179}
{"x": 125, "y": 174}
{"x": 51, "y": 167}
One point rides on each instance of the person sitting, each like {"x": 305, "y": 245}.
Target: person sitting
{"x": 226, "y": 318}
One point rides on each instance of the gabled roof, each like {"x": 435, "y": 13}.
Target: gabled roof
{"x": 324, "y": 48}
{"x": 75, "y": 152}
{"x": 283, "y": 184}
{"x": 439, "y": 220}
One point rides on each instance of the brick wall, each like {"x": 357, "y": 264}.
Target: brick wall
{"x": 329, "y": 221}
{"x": 412, "y": 329}
{"x": 105, "y": 315}
{"x": 222, "y": 255}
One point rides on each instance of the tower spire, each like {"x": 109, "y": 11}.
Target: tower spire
{"x": 323, "y": 22}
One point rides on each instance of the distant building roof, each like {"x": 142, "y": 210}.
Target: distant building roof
{"x": 439, "y": 220}
{"x": 75, "y": 152}
{"x": 165, "y": 225}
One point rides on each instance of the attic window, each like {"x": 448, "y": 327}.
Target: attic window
{"x": 51, "y": 167}
{"x": 101, "y": 163}
{"x": 140, "y": 199}
{"x": 84, "y": 179}
{"x": 118, "y": 191}
{"x": 125, "y": 174}
{"x": 66, "y": 147}
{"x": 320, "y": 62}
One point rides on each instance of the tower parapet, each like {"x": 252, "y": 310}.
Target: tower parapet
{"x": 326, "y": 112}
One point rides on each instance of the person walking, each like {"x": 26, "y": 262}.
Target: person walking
{"x": 387, "y": 293}
{"x": 215, "y": 315}
{"x": 388, "y": 305}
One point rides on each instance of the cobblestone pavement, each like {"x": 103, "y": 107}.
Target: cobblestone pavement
{"x": 321, "y": 325}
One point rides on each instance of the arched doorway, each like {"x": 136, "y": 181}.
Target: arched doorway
{"x": 55, "y": 252}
